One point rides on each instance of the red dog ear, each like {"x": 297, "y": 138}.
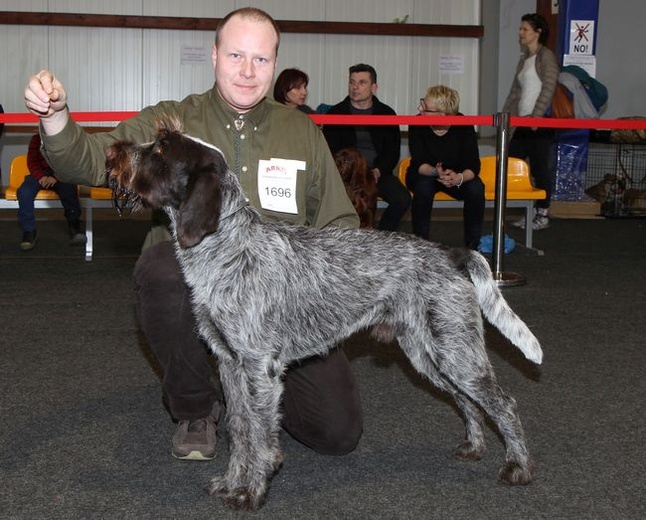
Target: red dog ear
{"x": 199, "y": 212}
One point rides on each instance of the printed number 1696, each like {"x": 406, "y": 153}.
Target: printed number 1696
{"x": 279, "y": 192}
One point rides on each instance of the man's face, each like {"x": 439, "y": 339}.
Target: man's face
{"x": 360, "y": 87}
{"x": 244, "y": 60}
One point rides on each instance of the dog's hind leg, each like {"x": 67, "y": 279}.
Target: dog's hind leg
{"x": 501, "y": 408}
{"x": 456, "y": 361}
{"x": 473, "y": 446}
{"x": 473, "y": 377}
{"x": 253, "y": 396}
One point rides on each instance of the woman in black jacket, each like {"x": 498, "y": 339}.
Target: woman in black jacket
{"x": 445, "y": 158}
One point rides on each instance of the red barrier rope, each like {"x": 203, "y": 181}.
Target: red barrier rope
{"x": 542, "y": 122}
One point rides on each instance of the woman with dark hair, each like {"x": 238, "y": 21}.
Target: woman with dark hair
{"x": 290, "y": 89}
{"x": 531, "y": 95}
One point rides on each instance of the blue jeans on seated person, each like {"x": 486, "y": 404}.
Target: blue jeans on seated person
{"x": 471, "y": 192}
{"x": 67, "y": 193}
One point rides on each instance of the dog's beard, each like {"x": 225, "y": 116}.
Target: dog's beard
{"x": 124, "y": 199}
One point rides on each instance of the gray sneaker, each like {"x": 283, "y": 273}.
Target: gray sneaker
{"x": 195, "y": 440}
{"x": 29, "y": 239}
{"x": 540, "y": 222}
{"x": 520, "y": 223}
{"x": 77, "y": 235}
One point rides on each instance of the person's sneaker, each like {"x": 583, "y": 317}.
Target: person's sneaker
{"x": 540, "y": 222}
{"x": 195, "y": 440}
{"x": 77, "y": 235}
{"x": 541, "y": 219}
{"x": 520, "y": 223}
{"x": 29, "y": 239}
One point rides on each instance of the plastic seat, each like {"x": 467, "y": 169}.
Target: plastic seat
{"x": 17, "y": 174}
{"x": 101, "y": 193}
{"x": 519, "y": 184}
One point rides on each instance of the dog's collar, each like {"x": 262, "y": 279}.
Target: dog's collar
{"x": 235, "y": 210}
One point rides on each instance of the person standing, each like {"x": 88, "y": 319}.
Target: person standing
{"x": 531, "y": 95}
{"x": 321, "y": 406}
{"x": 445, "y": 158}
{"x": 379, "y": 144}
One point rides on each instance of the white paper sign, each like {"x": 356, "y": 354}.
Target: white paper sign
{"x": 277, "y": 184}
{"x": 451, "y": 65}
{"x": 581, "y": 37}
{"x": 587, "y": 63}
{"x": 195, "y": 55}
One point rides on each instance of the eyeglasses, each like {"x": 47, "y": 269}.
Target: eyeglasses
{"x": 422, "y": 105}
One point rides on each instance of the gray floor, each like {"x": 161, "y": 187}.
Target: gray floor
{"x": 83, "y": 433}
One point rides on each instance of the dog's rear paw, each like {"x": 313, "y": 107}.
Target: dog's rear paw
{"x": 241, "y": 498}
{"x": 467, "y": 450}
{"x": 515, "y": 474}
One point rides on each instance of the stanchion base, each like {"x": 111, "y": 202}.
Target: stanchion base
{"x": 509, "y": 279}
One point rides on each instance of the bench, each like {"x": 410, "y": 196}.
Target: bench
{"x": 520, "y": 192}
{"x": 47, "y": 199}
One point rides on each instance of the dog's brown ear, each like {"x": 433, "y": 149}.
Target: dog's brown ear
{"x": 199, "y": 212}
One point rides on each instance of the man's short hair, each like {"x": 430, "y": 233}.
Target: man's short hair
{"x": 362, "y": 67}
{"x": 250, "y": 13}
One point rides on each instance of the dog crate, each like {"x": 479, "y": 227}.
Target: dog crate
{"x": 616, "y": 178}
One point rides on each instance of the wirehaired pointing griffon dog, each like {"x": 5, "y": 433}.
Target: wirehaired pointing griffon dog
{"x": 360, "y": 184}
{"x": 267, "y": 294}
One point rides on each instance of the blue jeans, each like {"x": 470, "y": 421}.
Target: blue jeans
{"x": 68, "y": 193}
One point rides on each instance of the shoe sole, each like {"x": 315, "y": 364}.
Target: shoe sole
{"x": 194, "y": 455}
{"x": 28, "y": 246}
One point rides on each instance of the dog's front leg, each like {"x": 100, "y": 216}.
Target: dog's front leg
{"x": 253, "y": 396}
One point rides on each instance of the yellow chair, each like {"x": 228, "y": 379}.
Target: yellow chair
{"x": 100, "y": 193}
{"x": 17, "y": 175}
{"x": 519, "y": 184}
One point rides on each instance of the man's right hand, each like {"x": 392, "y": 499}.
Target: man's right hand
{"x": 45, "y": 97}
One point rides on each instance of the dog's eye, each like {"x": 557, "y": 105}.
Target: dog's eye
{"x": 160, "y": 146}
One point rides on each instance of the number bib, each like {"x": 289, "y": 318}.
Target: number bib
{"x": 277, "y": 184}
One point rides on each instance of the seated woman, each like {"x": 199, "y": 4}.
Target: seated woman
{"x": 291, "y": 89}
{"x": 445, "y": 158}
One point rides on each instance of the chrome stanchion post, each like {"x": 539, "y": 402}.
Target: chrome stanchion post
{"x": 501, "y": 121}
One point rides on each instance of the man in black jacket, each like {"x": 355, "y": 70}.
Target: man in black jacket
{"x": 379, "y": 145}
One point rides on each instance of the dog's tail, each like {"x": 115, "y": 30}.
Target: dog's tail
{"x": 496, "y": 309}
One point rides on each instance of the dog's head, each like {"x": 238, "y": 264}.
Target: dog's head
{"x": 352, "y": 166}
{"x": 177, "y": 173}
{"x": 359, "y": 183}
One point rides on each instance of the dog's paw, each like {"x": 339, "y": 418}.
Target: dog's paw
{"x": 515, "y": 474}
{"x": 242, "y": 498}
{"x": 468, "y": 450}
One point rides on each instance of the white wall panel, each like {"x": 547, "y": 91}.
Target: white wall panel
{"x": 23, "y": 52}
{"x": 100, "y": 68}
{"x": 127, "y": 69}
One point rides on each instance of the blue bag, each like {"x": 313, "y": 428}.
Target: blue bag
{"x": 486, "y": 244}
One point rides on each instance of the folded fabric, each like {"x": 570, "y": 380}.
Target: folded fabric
{"x": 486, "y": 244}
